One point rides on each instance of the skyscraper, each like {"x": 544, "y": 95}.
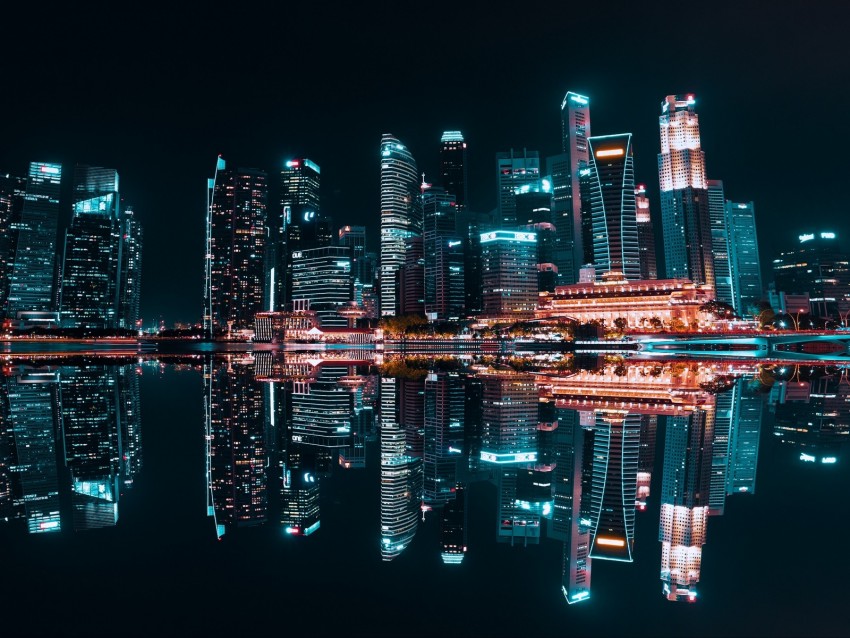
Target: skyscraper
{"x": 509, "y": 418}
{"x": 92, "y": 259}
{"x": 534, "y": 213}
{"x": 564, "y": 170}
{"x": 724, "y": 284}
{"x": 323, "y": 275}
{"x": 684, "y": 198}
{"x": 444, "y": 283}
{"x": 354, "y": 238}
{"x": 236, "y": 253}
{"x": 611, "y": 192}
{"x": 31, "y": 287}
{"x": 744, "y": 256}
{"x": 509, "y": 275}
{"x": 514, "y": 170}
{"x": 453, "y": 170}
{"x": 401, "y": 214}
{"x": 131, "y": 270}
{"x": 646, "y": 234}
{"x": 12, "y": 192}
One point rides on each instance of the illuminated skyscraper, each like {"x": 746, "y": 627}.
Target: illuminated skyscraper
{"x": 685, "y": 219}
{"x": 611, "y": 192}
{"x": 354, "y": 238}
{"x": 646, "y": 458}
{"x": 12, "y": 192}
{"x": 410, "y": 278}
{"x": 646, "y": 234}
{"x": 723, "y": 281}
{"x": 33, "y": 275}
{"x": 514, "y": 171}
{"x": 237, "y": 247}
{"x": 509, "y": 275}
{"x": 131, "y": 270}
{"x": 534, "y": 213}
{"x": 401, "y": 214}
{"x": 565, "y": 172}
{"x": 444, "y": 281}
{"x": 744, "y": 256}
{"x": 744, "y": 443}
{"x": 509, "y": 418}
{"x": 453, "y": 170}
{"x": 323, "y": 275}
{"x": 321, "y": 410}
{"x": 92, "y": 255}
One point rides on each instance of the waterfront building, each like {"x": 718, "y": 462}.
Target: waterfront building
{"x": 453, "y": 167}
{"x": 646, "y": 234}
{"x": 534, "y": 213}
{"x": 610, "y": 189}
{"x": 323, "y": 276}
{"x": 401, "y": 215}
{"x": 32, "y": 285}
{"x": 744, "y": 261}
{"x": 724, "y": 283}
{"x": 513, "y": 170}
{"x": 685, "y": 220}
{"x": 509, "y": 262}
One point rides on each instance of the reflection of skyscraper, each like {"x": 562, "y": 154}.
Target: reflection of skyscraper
{"x": 453, "y": 528}
{"x": 131, "y": 423}
{"x": 321, "y": 410}
{"x": 685, "y": 491}
{"x": 509, "y": 418}
{"x": 614, "y": 485}
{"x": 744, "y": 443}
{"x": 444, "y": 407}
{"x": 646, "y": 458}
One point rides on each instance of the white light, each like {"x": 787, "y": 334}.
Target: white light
{"x": 807, "y": 457}
{"x": 807, "y": 237}
{"x": 827, "y": 235}
{"x": 829, "y": 459}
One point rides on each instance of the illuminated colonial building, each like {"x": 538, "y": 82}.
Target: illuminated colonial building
{"x": 674, "y": 302}
{"x": 685, "y": 217}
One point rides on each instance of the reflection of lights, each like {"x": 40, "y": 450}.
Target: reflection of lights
{"x": 807, "y": 457}
{"x": 829, "y": 459}
{"x": 613, "y": 542}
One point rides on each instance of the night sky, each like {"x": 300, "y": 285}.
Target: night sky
{"x": 157, "y": 91}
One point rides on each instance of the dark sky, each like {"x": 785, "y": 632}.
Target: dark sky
{"x": 157, "y": 91}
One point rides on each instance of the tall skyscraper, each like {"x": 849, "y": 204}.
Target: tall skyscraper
{"x": 744, "y": 256}
{"x": 564, "y": 170}
{"x": 410, "y": 278}
{"x": 92, "y": 255}
{"x": 354, "y": 238}
{"x": 453, "y": 170}
{"x": 131, "y": 270}
{"x": 646, "y": 234}
{"x": 685, "y": 217}
{"x": 236, "y": 253}
{"x": 12, "y": 192}
{"x": 444, "y": 284}
{"x": 534, "y": 213}
{"x": 611, "y": 192}
{"x": 514, "y": 170}
{"x": 401, "y": 214}
{"x": 32, "y": 284}
{"x": 323, "y": 275}
{"x": 509, "y": 275}
{"x": 724, "y": 284}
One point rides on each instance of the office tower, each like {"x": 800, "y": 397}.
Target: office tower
{"x": 444, "y": 259}
{"x": 301, "y": 226}
{"x": 564, "y": 170}
{"x": 509, "y": 418}
{"x": 410, "y": 278}
{"x": 610, "y": 190}
{"x": 646, "y": 458}
{"x": 453, "y": 528}
{"x": 819, "y": 266}
{"x": 323, "y": 276}
{"x": 354, "y": 238}
{"x": 744, "y": 256}
{"x": 131, "y": 271}
{"x": 31, "y": 413}
{"x": 32, "y": 284}
{"x": 568, "y": 524}
{"x": 685, "y": 492}
{"x": 322, "y": 409}
{"x": 443, "y": 436}
{"x": 91, "y": 262}
{"x": 12, "y": 192}
{"x": 534, "y": 213}
{"x": 470, "y": 225}
{"x": 237, "y": 232}
{"x": 92, "y": 443}
{"x": 646, "y": 234}
{"x": 616, "y": 450}
{"x": 401, "y": 214}
{"x": 685, "y": 218}
{"x": 744, "y": 443}
{"x": 236, "y": 445}
{"x": 509, "y": 275}
{"x": 453, "y": 170}
{"x": 513, "y": 170}
{"x": 724, "y": 283}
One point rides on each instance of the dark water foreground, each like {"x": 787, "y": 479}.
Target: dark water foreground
{"x": 240, "y": 495}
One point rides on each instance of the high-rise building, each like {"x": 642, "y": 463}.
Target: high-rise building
{"x": 410, "y": 278}
{"x": 724, "y": 284}
{"x": 236, "y": 252}
{"x": 444, "y": 282}
{"x": 509, "y": 275}
{"x": 564, "y": 170}
{"x": 32, "y": 285}
{"x": 131, "y": 270}
{"x": 514, "y": 170}
{"x": 744, "y": 256}
{"x": 509, "y": 418}
{"x": 534, "y": 213}
{"x": 354, "y": 237}
{"x": 92, "y": 256}
{"x": 453, "y": 168}
{"x": 12, "y": 193}
{"x": 470, "y": 225}
{"x": 323, "y": 276}
{"x": 401, "y": 214}
{"x": 685, "y": 220}
{"x": 611, "y": 193}
{"x": 646, "y": 234}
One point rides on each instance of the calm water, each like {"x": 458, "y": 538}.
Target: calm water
{"x": 233, "y": 495}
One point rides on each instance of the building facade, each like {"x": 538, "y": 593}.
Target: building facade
{"x": 513, "y": 170}
{"x": 509, "y": 275}
{"x": 323, "y": 276}
{"x": 744, "y": 263}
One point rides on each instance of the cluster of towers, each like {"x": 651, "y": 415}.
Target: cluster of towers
{"x": 91, "y": 279}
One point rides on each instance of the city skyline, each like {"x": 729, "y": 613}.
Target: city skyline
{"x": 139, "y": 137}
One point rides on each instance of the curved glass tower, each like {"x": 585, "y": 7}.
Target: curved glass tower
{"x": 401, "y": 213}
